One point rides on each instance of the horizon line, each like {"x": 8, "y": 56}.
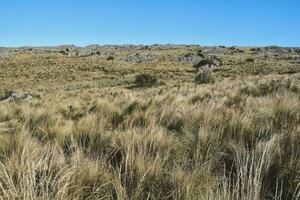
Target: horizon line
{"x": 144, "y": 44}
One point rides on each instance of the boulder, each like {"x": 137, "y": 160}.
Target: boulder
{"x": 15, "y": 96}
{"x": 208, "y": 64}
{"x": 192, "y": 57}
{"x": 90, "y": 50}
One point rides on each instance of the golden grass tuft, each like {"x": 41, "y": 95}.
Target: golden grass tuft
{"x": 84, "y": 138}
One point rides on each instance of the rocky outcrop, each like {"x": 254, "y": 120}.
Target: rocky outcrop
{"x": 208, "y": 64}
{"x": 5, "y": 52}
{"x": 189, "y": 57}
{"x": 15, "y": 96}
{"x": 144, "y": 53}
{"x": 140, "y": 57}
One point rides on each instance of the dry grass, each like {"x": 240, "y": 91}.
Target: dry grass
{"x": 237, "y": 138}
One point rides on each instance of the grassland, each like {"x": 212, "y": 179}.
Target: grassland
{"x": 91, "y": 132}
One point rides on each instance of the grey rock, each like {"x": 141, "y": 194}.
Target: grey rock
{"x": 190, "y": 57}
{"x": 208, "y": 64}
{"x": 297, "y": 50}
{"x": 214, "y": 50}
{"x": 5, "y": 52}
{"x": 144, "y": 55}
{"x": 139, "y": 57}
{"x": 15, "y": 96}
{"x": 90, "y": 50}
{"x": 70, "y": 50}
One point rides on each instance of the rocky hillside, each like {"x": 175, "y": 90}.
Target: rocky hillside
{"x": 117, "y": 65}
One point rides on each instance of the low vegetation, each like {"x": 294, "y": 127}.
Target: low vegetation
{"x": 235, "y": 138}
{"x": 145, "y": 80}
{"x": 204, "y": 76}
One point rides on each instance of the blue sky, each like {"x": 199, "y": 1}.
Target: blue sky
{"x": 204, "y": 22}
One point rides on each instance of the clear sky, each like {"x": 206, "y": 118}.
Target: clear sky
{"x": 204, "y": 22}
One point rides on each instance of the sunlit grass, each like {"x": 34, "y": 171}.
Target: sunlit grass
{"x": 93, "y": 134}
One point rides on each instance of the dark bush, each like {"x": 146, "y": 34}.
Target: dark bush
{"x": 145, "y": 80}
{"x": 250, "y": 59}
{"x": 110, "y": 58}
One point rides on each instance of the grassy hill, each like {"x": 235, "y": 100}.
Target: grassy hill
{"x": 134, "y": 122}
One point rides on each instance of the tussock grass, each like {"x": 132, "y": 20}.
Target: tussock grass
{"x": 236, "y": 138}
{"x": 204, "y": 76}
